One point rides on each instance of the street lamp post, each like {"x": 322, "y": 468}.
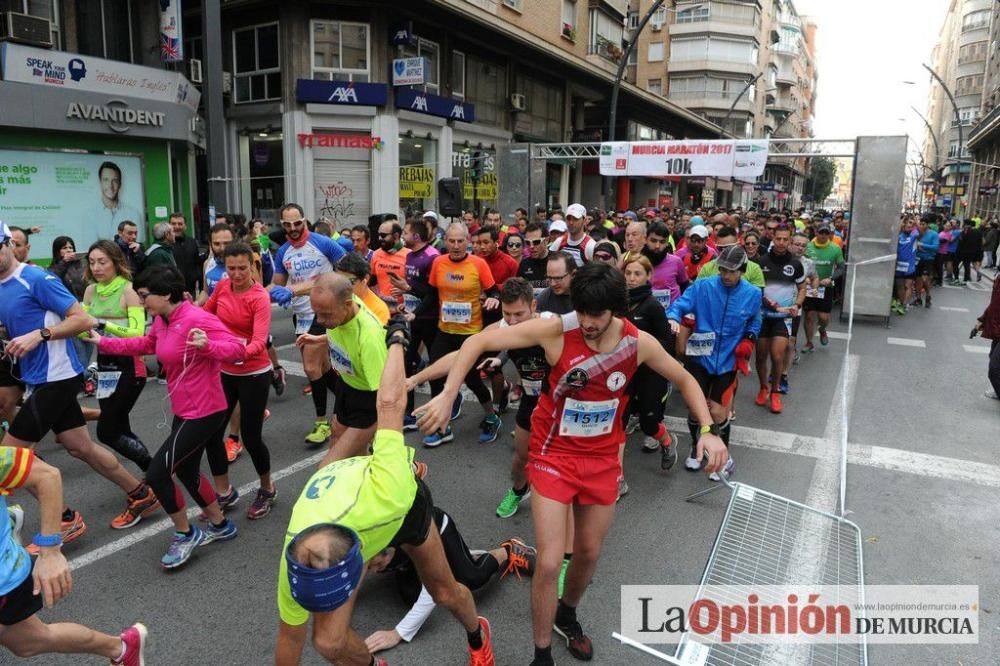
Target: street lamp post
{"x": 958, "y": 123}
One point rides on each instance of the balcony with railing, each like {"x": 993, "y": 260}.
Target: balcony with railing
{"x": 710, "y": 99}
{"x": 606, "y": 49}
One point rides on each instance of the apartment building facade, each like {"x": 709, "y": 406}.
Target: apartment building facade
{"x": 984, "y": 135}
{"x": 959, "y": 58}
{"x": 749, "y": 67}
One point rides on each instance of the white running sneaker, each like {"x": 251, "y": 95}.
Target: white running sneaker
{"x": 632, "y": 425}
{"x": 650, "y": 444}
{"x": 692, "y": 464}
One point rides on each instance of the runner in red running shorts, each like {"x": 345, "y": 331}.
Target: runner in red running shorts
{"x": 576, "y": 430}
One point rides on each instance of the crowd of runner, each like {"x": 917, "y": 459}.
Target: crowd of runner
{"x": 583, "y": 323}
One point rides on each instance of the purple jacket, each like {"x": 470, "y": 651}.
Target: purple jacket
{"x": 194, "y": 381}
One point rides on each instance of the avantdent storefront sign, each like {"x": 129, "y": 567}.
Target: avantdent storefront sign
{"x": 116, "y": 113}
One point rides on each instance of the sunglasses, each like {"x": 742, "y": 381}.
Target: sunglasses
{"x": 293, "y": 223}
{"x": 602, "y": 256}
{"x": 514, "y": 246}
{"x": 535, "y": 242}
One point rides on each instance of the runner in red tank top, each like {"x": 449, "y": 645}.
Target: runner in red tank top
{"x": 576, "y": 430}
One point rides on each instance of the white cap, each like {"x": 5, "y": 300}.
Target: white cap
{"x": 576, "y": 210}
{"x": 699, "y": 230}
{"x": 431, "y": 214}
{"x": 559, "y": 225}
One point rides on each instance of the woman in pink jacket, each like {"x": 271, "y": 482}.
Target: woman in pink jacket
{"x": 192, "y": 346}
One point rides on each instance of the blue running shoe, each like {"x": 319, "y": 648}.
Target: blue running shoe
{"x": 783, "y": 384}
{"x": 490, "y": 427}
{"x": 456, "y": 407}
{"x": 181, "y": 548}
{"x": 409, "y": 423}
{"x": 439, "y": 438}
{"x": 225, "y": 532}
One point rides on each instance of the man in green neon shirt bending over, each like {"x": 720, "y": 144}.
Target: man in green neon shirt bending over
{"x": 348, "y": 512}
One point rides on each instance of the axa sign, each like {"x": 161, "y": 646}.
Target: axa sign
{"x": 118, "y": 115}
{"x": 434, "y": 105}
{"x": 351, "y": 93}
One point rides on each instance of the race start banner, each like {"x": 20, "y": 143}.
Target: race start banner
{"x": 726, "y": 159}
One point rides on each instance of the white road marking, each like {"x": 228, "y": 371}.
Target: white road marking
{"x": 165, "y": 524}
{"x": 837, "y": 335}
{"x": 976, "y": 349}
{"x": 879, "y": 457}
{"x": 945, "y": 308}
{"x": 293, "y": 368}
{"x": 906, "y": 342}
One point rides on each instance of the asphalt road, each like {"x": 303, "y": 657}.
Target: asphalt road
{"x": 922, "y": 485}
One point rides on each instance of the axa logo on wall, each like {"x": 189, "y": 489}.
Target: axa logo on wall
{"x": 366, "y": 142}
{"x": 119, "y": 116}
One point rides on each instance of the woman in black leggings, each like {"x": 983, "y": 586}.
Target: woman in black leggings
{"x": 244, "y": 306}
{"x": 192, "y": 346}
{"x": 649, "y": 390}
{"x": 111, "y": 299}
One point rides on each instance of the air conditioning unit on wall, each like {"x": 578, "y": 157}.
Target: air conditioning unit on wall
{"x": 518, "y": 102}
{"x": 25, "y": 29}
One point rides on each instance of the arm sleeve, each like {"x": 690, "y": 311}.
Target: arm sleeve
{"x": 261, "y": 308}
{"x": 415, "y": 618}
{"x": 136, "y": 324}
{"x": 15, "y": 466}
{"x": 486, "y": 280}
{"x": 332, "y": 251}
{"x": 279, "y": 261}
{"x": 683, "y": 305}
{"x": 659, "y": 328}
{"x": 141, "y": 345}
{"x": 755, "y": 301}
{"x": 222, "y": 344}
{"x": 429, "y": 303}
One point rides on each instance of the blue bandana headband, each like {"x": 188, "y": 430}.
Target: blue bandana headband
{"x": 325, "y": 590}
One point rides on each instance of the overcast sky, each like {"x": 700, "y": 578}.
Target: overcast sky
{"x": 865, "y": 50}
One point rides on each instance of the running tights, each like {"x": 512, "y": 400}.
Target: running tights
{"x": 251, "y": 392}
{"x": 444, "y": 344}
{"x": 473, "y": 571}
{"x": 180, "y": 455}
{"x": 649, "y": 393}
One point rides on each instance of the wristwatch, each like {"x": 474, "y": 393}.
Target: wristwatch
{"x": 46, "y": 334}
{"x": 710, "y": 429}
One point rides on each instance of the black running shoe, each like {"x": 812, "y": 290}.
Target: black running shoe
{"x": 577, "y": 642}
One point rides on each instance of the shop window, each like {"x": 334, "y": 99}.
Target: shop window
{"x": 341, "y": 51}
{"x": 477, "y": 193}
{"x": 417, "y": 162}
{"x": 432, "y": 51}
{"x": 256, "y": 63}
{"x": 458, "y": 74}
{"x": 104, "y": 28}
